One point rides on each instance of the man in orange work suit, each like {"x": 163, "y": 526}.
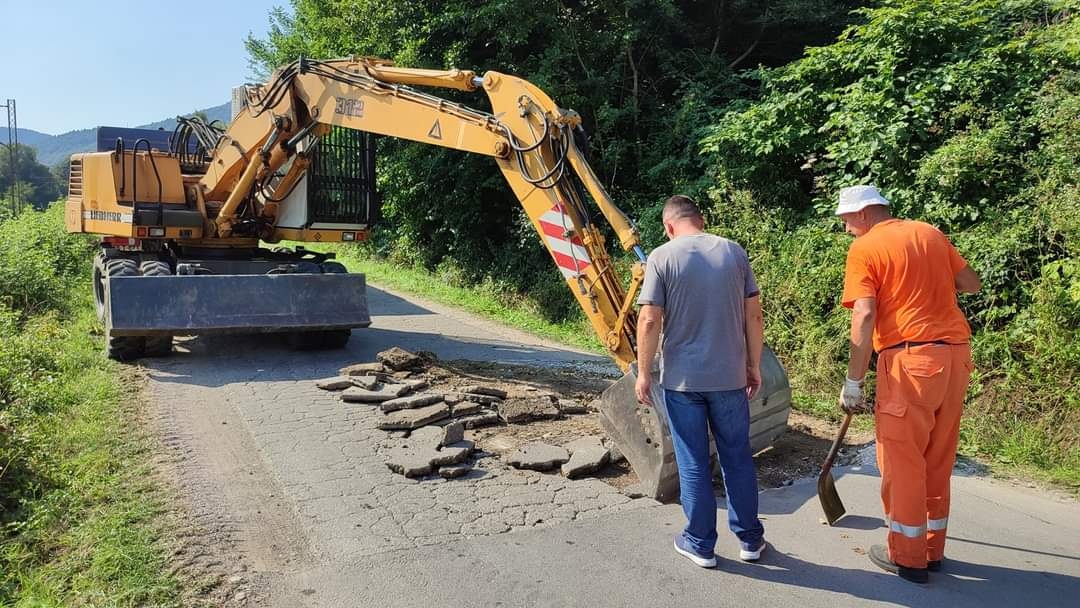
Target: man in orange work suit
{"x": 901, "y": 280}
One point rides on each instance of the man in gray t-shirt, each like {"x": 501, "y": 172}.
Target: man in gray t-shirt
{"x": 699, "y": 287}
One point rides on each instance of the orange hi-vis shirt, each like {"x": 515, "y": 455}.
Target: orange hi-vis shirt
{"x": 910, "y": 268}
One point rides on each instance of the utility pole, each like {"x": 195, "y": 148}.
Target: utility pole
{"x": 13, "y": 144}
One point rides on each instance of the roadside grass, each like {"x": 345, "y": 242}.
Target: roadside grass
{"x": 85, "y": 529}
{"x": 81, "y": 513}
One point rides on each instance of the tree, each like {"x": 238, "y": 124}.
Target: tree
{"x": 36, "y": 183}
{"x": 646, "y": 76}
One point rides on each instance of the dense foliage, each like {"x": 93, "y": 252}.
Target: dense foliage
{"x": 964, "y": 113}
{"x": 967, "y": 115}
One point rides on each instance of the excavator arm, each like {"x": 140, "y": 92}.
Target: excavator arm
{"x": 535, "y": 144}
{"x": 531, "y": 139}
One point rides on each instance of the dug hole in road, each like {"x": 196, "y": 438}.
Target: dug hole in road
{"x": 286, "y": 499}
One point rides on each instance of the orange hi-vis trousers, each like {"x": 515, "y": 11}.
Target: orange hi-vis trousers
{"x": 920, "y": 396}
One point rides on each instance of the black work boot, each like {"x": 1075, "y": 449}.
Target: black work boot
{"x": 880, "y": 556}
{"x": 934, "y": 565}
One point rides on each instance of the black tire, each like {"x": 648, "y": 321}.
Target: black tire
{"x": 157, "y": 346}
{"x": 99, "y": 274}
{"x": 155, "y": 268}
{"x": 123, "y": 348}
{"x": 334, "y": 268}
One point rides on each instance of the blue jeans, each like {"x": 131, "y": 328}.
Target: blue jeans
{"x": 727, "y": 413}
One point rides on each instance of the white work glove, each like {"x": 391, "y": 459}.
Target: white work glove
{"x": 851, "y": 397}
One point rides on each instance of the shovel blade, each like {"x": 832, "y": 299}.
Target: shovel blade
{"x": 830, "y": 498}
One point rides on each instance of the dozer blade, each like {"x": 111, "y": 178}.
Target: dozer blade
{"x": 201, "y": 304}
{"x": 641, "y": 432}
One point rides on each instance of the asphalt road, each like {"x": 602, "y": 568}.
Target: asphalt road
{"x": 288, "y": 486}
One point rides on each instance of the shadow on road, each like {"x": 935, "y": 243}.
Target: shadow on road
{"x": 217, "y": 360}
{"x": 958, "y": 584}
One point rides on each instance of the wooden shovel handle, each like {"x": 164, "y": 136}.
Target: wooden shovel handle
{"x": 825, "y": 468}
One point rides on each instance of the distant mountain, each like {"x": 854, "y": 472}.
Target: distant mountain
{"x": 51, "y": 149}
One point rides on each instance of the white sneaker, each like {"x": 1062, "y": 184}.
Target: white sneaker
{"x": 689, "y": 553}
{"x": 752, "y": 556}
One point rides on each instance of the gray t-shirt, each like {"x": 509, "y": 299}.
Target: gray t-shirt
{"x": 701, "y": 282}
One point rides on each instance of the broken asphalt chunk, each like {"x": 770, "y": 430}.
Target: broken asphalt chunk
{"x": 478, "y": 420}
{"x": 524, "y": 410}
{"x": 410, "y": 402}
{"x": 367, "y": 382}
{"x": 362, "y": 395}
{"x": 362, "y": 369}
{"x": 538, "y": 457}
{"x": 587, "y": 455}
{"x": 569, "y": 406}
{"x": 398, "y": 359}
{"x": 476, "y": 389}
{"x": 336, "y": 383}
{"x": 414, "y": 418}
{"x": 455, "y": 470}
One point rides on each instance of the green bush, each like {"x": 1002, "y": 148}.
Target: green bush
{"x": 966, "y": 114}
{"x": 40, "y": 261}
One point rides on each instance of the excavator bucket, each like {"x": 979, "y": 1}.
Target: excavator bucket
{"x": 201, "y": 304}
{"x": 641, "y": 432}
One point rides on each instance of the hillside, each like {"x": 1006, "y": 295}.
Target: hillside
{"x": 51, "y": 149}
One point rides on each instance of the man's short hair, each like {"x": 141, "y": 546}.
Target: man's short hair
{"x": 679, "y": 207}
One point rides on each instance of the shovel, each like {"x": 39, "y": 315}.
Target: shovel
{"x": 826, "y": 486}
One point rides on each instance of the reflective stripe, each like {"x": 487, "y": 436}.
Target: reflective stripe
{"x": 937, "y": 524}
{"x": 908, "y": 531}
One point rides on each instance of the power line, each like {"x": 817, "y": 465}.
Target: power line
{"x": 13, "y": 144}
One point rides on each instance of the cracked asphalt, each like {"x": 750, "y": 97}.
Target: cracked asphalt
{"x": 293, "y": 504}
{"x": 311, "y": 465}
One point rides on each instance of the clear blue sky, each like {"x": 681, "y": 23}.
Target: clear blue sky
{"x": 78, "y": 64}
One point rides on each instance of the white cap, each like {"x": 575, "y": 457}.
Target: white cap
{"x": 856, "y": 198}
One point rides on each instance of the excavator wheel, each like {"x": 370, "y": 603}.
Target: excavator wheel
{"x": 121, "y": 348}
{"x": 157, "y": 346}
{"x": 99, "y": 285}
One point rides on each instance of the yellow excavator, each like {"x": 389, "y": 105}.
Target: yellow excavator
{"x": 182, "y": 228}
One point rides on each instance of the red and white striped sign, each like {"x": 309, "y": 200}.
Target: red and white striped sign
{"x": 569, "y": 252}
